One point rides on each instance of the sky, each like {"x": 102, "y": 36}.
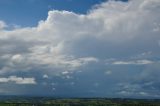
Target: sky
{"x": 30, "y": 12}
{"x": 80, "y": 48}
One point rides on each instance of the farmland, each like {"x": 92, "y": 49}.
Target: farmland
{"x": 49, "y": 101}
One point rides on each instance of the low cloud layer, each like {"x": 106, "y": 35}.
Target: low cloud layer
{"x": 134, "y": 62}
{"x": 123, "y": 33}
{"x": 18, "y": 80}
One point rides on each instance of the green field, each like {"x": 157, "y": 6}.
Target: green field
{"x": 78, "y": 102}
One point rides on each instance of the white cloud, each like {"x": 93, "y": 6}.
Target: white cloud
{"x": 17, "y": 58}
{"x": 65, "y": 72}
{"x": 2, "y": 25}
{"x": 69, "y": 41}
{"x": 45, "y": 76}
{"x": 18, "y": 80}
{"x": 143, "y": 93}
{"x": 133, "y": 62}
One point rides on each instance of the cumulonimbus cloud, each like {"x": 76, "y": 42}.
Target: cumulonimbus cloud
{"x": 67, "y": 38}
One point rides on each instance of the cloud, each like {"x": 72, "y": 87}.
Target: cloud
{"x": 18, "y": 80}
{"x": 71, "y": 42}
{"x": 144, "y": 84}
{"x": 108, "y": 72}
{"x": 65, "y": 72}
{"x": 129, "y": 89}
{"x": 136, "y": 62}
{"x": 45, "y": 76}
{"x": 2, "y": 25}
